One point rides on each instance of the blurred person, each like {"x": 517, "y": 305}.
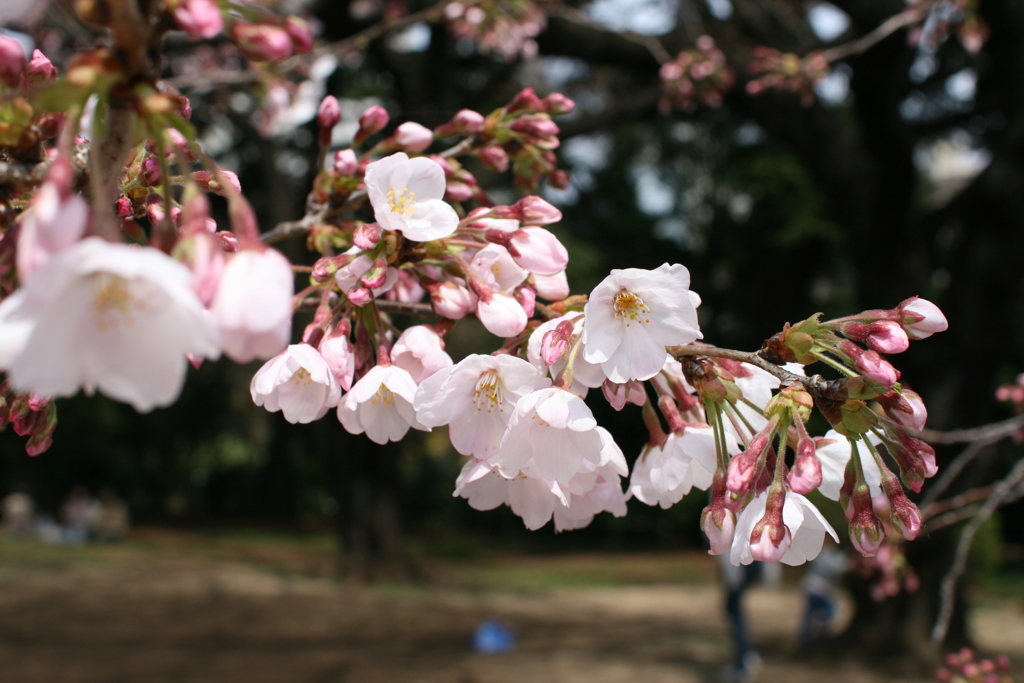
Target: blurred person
{"x": 78, "y": 514}
{"x": 113, "y": 519}
{"x": 819, "y": 586}
{"x": 18, "y": 511}
{"x": 736, "y": 580}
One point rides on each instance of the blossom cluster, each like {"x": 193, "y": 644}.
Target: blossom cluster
{"x": 696, "y": 76}
{"x": 121, "y": 296}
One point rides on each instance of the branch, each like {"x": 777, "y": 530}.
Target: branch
{"x": 22, "y": 176}
{"x": 651, "y": 43}
{"x": 812, "y": 383}
{"x": 953, "y": 470}
{"x": 313, "y": 301}
{"x": 884, "y": 30}
{"x": 1001, "y": 491}
{"x": 303, "y": 226}
{"x": 991, "y": 432}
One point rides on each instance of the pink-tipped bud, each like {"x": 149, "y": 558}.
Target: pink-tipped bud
{"x": 124, "y": 208}
{"x": 557, "y": 104}
{"x": 535, "y": 126}
{"x": 262, "y": 42}
{"x": 458, "y": 192}
{"x": 40, "y": 68}
{"x": 451, "y": 300}
{"x": 906, "y": 409}
{"x": 377, "y": 275}
{"x": 525, "y": 99}
{"x": 877, "y": 369}
{"x": 494, "y": 158}
{"x": 328, "y": 116}
{"x": 921, "y": 318}
{"x": 199, "y": 18}
{"x": 345, "y": 162}
{"x": 618, "y": 395}
{"x": 771, "y": 538}
{"x": 865, "y": 530}
{"x": 559, "y": 179}
{"x": 12, "y": 61}
{"x": 886, "y": 336}
{"x": 337, "y": 351}
{"x": 468, "y": 122}
{"x": 300, "y": 33}
{"x": 742, "y": 469}
{"x": 360, "y": 296}
{"x": 149, "y": 173}
{"x": 538, "y": 251}
{"x": 413, "y": 137}
{"x": 533, "y": 210}
{"x": 719, "y": 525}
{"x": 555, "y": 343}
{"x": 527, "y": 298}
{"x": 501, "y": 314}
{"x": 211, "y": 182}
{"x": 367, "y": 236}
{"x": 373, "y": 120}
{"x": 806, "y": 473}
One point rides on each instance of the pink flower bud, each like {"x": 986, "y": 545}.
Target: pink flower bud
{"x": 525, "y": 99}
{"x": 742, "y": 469}
{"x": 535, "y": 126}
{"x": 501, "y": 314}
{"x": 199, "y": 18}
{"x": 539, "y": 251}
{"x": 555, "y": 343}
{"x": 372, "y": 121}
{"x": 907, "y": 409}
{"x": 451, "y": 300}
{"x": 413, "y": 137}
{"x": 872, "y": 366}
{"x": 618, "y": 395}
{"x": 367, "y": 236}
{"x": 887, "y": 336}
{"x": 921, "y": 318}
{"x": 262, "y": 42}
{"x": 806, "y": 473}
{"x": 468, "y": 122}
{"x": 300, "y": 33}
{"x": 345, "y": 162}
{"x": 557, "y": 104}
{"x": 559, "y": 179}
{"x": 337, "y": 351}
{"x": 527, "y": 298}
{"x": 494, "y": 158}
{"x": 535, "y": 211}
{"x": 124, "y": 207}
{"x": 359, "y": 296}
{"x": 12, "y": 61}
{"x": 210, "y": 182}
{"x": 865, "y": 530}
{"x": 719, "y": 525}
{"x": 458, "y": 192}
{"x": 149, "y": 173}
{"x": 328, "y": 115}
{"x": 40, "y": 68}
{"x": 769, "y": 541}
{"x": 377, "y": 275}
{"x": 552, "y": 287}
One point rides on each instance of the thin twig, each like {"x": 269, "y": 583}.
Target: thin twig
{"x": 652, "y": 44}
{"x": 812, "y": 383}
{"x": 953, "y": 470}
{"x": 902, "y": 20}
{"x": 989, "y": 432}
{"x": 1001, "y": 491}
{"x": 312, "y": 301}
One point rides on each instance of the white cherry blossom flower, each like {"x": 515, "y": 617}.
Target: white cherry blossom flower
{"x": 633, "y": 315}
{"x": 556, "y": 430}
{"x": 420, "y": 350}
{"x": 253, "y": 305}
{"x": 834, "y": 457}
{"x": 666, "y": 473}
{"x": 105, "y": 316}
{"x": 53, "y": 224}
{"x": 298, "y": 382}
{"x": 807, "y": 528}
{"x": 476, "y": 398}
{"x": 494, "y": 265}
{"x": 551, "y": 287}
{"x": 406, "y": 196}
{"x": 380, "y": 404}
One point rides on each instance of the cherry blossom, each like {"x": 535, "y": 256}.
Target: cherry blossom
{"x": 585, "y": 375}
{"x": 406, "y": 196}
{"x": 380, "y": 404}
{"x": 834, "y": 453}
{"x": 54, "y": 223}
{"x": 476, "y": 398}
{"x": 665, "y": 473}
{"x": 556, "y": 430}
{"x": 804, "y": 523}
{"x": 633, "y": 315}
{"x": 253, "y": 305}
{"x": 298, "y": 382}
{"x": 105, "y": 316}
{"x": 337, "y": 351}
{"x": 420, "y": 350}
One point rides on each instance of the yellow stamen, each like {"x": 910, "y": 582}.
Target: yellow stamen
{"x": 488, "y": 393}
{"x": 628, "y": 306}
{"x": 383, "y": 396}
{"x": 113, "y": 301}
{"x": 301, "y": 378}
{"x": 401, "y": 202}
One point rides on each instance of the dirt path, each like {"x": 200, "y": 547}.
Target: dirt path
{"x": 162, "y": 613}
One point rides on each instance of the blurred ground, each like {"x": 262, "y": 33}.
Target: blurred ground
{"x": 169, "y": 606}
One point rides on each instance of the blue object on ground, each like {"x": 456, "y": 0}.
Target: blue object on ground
{"x": 492, "y": 637}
